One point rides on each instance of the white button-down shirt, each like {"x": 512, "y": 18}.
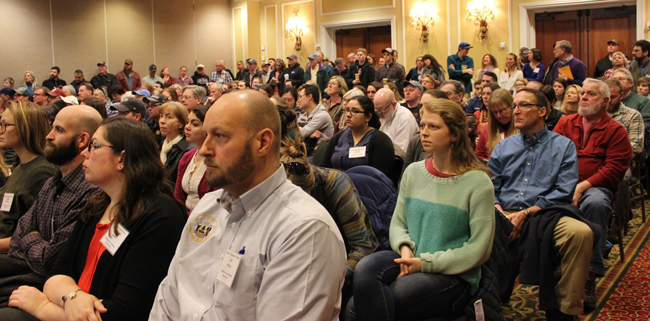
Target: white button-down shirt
{"x": 292, "y": 264}
{"x": 400, "y": 126}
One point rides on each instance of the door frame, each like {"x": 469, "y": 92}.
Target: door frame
{"x": 527, "y": 13}
{"x": 328, "y": 31}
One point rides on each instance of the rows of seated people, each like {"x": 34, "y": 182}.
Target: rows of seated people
{"x": 318, "y": 193}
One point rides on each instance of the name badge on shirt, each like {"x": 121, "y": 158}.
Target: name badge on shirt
{"x": 113, "y": 242}
{"x": 7, "y": 200}
{"x": 357, "y": 152}
{"x": 228, "y": 269}
{"x": 463, "y": 67}
{"x": 223, "y": 76}
{"x": 536, "y": 70}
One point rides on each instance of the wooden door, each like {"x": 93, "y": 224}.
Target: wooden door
{"x": 588, "y": 31}
{"x": 374, "y": 39}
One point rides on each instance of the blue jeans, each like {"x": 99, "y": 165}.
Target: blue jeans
{"x": 378, "y": 295}
{"x": 596, "y": 204}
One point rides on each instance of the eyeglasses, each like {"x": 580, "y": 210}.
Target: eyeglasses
{"x": 352, "y": 111}
{"x": 3, "y": 126}
{"x": 524, "y": 106}
{"x": 295, "y": 168}
{"x": 95, "y": 145}
{"x": 382, "y": 109}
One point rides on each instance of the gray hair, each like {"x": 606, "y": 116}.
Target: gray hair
{"x": 69, "y": 90}
{"x": 602, "y": 86}
{"x": 618, "y": 53}
{"x": 353, "y": 93}
{"x": 197, "y": 91}
{"x": 458, "y": 86}
{"x": 564, "y": 44}
{"x": 627, "y": 73}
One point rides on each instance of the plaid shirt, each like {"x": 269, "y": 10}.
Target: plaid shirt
{"x": 223, "y": 77}
{"x": 394, "y": 73}
{"x": 633, "y": 122}
{"x": 43, "y": 230}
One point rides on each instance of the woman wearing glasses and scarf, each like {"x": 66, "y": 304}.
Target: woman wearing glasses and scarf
{"x": 361, "y": 143}
{"x": 101, "y": 273}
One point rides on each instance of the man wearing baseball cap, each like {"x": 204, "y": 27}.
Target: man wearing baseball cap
{"x": 200, "y": 78}
{"x": 154, "y": 102}
{"x": 412, "y": 93}
{"x": 251, "y": 72}
{"x": 391, "y": 70}
{"x": 292, "y": 75}
{"x": 461, "y": 66}
{"x": 22, "y": 94}
{"x": 131, "y": 108}
{"x": 127, "y": 78}
{"x": 152, "y": 78}
{"x": 605, "y": 63}
{"x": 317, "y": 73}
{"x": 524, "y": 56}
{"x": 103, "y": 78}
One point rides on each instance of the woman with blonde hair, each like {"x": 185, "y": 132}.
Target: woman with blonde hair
{"x": 510, "y": 73}
{"x": 441, "y": 231}
{"x": 172, "y": 121}
{"x": 393, "y": 88}
{"x": 571, "y": 100}
{"x": 618, "y": 61}
{"x": 500, "y": 123}
{"x": 30, "y": 82}
{"x": 23, "y": 128}
{"x": 336, "y": 88}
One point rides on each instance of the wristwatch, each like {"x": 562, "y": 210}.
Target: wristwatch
{"x": 70, "y": 296}
{"x": 527, "y": 213}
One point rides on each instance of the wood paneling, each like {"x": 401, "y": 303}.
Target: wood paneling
{"x": 374, "y": 39}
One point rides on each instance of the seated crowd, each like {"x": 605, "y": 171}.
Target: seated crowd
{"x": 316, "y": 193}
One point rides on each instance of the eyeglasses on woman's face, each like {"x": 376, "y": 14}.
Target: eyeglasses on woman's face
{"x": 295, "y": 168}
{"x": 352, "y": 111}
{"x": 3, "y": 126}
{"x": 95, "y": 145}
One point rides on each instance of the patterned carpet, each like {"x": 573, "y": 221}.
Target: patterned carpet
{"x": 623, "y": 293}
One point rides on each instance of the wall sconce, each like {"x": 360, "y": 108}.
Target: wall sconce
{"x": 295, "y": 29}
{"x": 422, "y": 18}
{"x": 481, "y": 11}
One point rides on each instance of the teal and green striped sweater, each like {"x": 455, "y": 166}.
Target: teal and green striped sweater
{"x": 447, "y": 222}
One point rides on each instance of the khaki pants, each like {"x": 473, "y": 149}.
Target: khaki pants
{"x": 574, "y": 243}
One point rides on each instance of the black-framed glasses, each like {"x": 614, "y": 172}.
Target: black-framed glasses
{"x": 3, "y": 126}
{"x": 95, "y": 145}
{"x": 352, "y": 111}
{"x": 524, "y": 106}
{"x": 295, "y": 168}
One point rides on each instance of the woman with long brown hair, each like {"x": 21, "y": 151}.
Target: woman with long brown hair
{"x": 500, "y": 123}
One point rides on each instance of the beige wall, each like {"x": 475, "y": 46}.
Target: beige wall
{"x": 77, "y": 37}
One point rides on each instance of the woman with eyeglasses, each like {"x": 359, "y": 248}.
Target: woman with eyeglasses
{"x": 441, "y": 232}
{"x": 500, "y": 124}
{"x": 190, "y": 182}
{"x": 361, "y": 143}
{"x": 172, "y": 121}
{"x": 427, "y": 82}
{"x": 121, "y": 247}
{"x": 510, "y": 73}
{"x": 23, "y": 128}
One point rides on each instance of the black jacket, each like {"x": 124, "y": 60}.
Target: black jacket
{"x": 603, "y": 65}
{"x": 296, "y": 75}
{"x": 367, "y": 72}
{"x": 173, "y": 157}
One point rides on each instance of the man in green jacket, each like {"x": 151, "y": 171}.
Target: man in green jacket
{"x": 317, "y": 74}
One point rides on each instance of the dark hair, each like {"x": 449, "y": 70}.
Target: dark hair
{"x": 200, "y": 111}
{"x": 537, "y": 54}
{"x": 58, "y": 70}
{"x": 368, "y": 109}
{"x": 267, "y": 88}
{"x": 644, "y": 44}
{"x": 540, "y": 97}
{"x": 78, "y": 71}
{"x": 377, "y": 85}
{"x": 96, "y": 104}
{"x": 162, "y": 85}
{"x": 548, "y": 92}
{"x": 144, "y": 172}
{"x": 564, "y": 84}
{"x": 492, "y": 75}
{"x": 292, "y": 91}
{"x": 436, "y": 93}
{"x": 117, "y": 89}
{"x": 287, "y": 118}
{"x": 434, "y": 63}
{"x": 51, "y": 111}
{"x": 313, "y": 91}
{"x": 493, "y": 86}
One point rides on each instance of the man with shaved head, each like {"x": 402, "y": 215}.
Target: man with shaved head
{"x": 260, "y": 247}
{"x": 42, "y": 231}
{"x": 396, "y": 121}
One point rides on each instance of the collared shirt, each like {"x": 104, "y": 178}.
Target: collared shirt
{"x": 633, "y": 122}
{"x": 541, "y": 172}
{"x": 53, "y": 216}
{"x": 400, "y": 126}
{"x": 395, "y": 72}
{"x": 292, "y": 258}
{"x": 152, "y": 80}
{"x": 221, "y": 77}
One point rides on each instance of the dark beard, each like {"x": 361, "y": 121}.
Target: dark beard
{"x": 239, "y": 170}
{"x": 61, "y": 155}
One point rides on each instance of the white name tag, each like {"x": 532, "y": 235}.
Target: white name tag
{"x": 228, "y": 269}
{"x": 113, "y": 242}
{"x": 357, "y": 152}
{"x": 536, "y": 70}
{"x": 7, "y": 200}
